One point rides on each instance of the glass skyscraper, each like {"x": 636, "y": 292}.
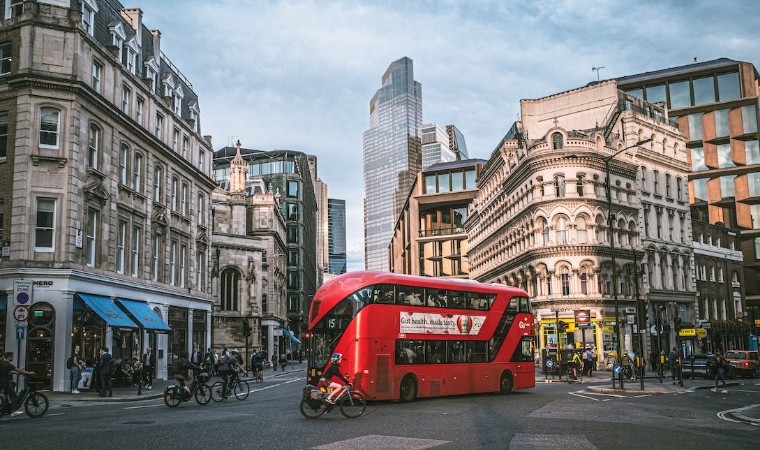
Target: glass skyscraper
{"x": 336, "y": 235}
{"x": 392, "y": 157}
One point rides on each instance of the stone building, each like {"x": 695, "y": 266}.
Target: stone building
{"x": 541, "y": 217}
{"x": 104, "y": 189}
{"x": 248, "y": 279}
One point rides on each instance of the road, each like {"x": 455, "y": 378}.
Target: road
{"x": 551, "y": 416}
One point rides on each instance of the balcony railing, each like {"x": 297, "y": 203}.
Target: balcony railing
{"x": 442, "y": 232}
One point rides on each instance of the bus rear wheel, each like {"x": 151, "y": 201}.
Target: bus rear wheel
{"x": 507, "y": 383}
{"x": 408, "y": 390}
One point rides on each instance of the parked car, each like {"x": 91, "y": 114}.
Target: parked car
{"x": 746, "y": 362}
{"x": 704, "y": 366}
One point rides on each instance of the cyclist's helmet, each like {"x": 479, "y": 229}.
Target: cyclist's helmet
{"x": 335, "y": 358}
{"x": 235, "y": 352}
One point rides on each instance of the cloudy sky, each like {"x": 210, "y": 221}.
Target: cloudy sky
{"x": 299, "y": 74}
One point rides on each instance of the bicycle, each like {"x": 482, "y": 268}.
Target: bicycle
{"x": 35, "y": 403}
{"x": 314, "y": 402}
{"x": 176, "y": 394}
{"x": 570, "y": 377}
{"x": 258, "y": 373}
{"x": 238, "y": 387}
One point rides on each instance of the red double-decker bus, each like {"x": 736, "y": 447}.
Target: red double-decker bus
{"x": 404, "y": 337}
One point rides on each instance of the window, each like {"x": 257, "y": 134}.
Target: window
{"x": 158, "y": 175}
{"x": 584, "y": 280}
{"x": 695, "y": 127}
{"x": 682, "y": 228}
{"x": 670, "y": 227}
{"x": 176, "y": 103}
{"x": 175, "y": 188}
{"x": 644, "y": 186}
{"x": 175, "y": 141}
{"x": 561, "y": 230}
{"x": 3, "y": 135}
{"x": 89, "y": 8}
{"x": 183, "y": 200}
{"x": 126, "y": 96}
{"x": 293, "y": 257}
{"x": 704, "y": 90}
{"x": 580, "y": 227}
{"x": 136, "y": 244}
{"x": 5, "y": 58}
{"x": 184, "y": 146}
{"x": 132, "y": 56}
{"x": 679, "y": 95}
{"x": 667, "y": 186}
{"x": 457, "y": 181}
{"x": 727, "y": 186}
{"x": 200, "y": 269}
{"x": 201, "y": 157}
{"x": 94, "y": 147}
{"x": 139, "y": 110}
{"x": 293, "y": 189}
{"x": 159, "y": 126}
{"x": 121, "y": 236}
{"x": 201, "y": 210}
{"x": 579, "y": 185}
{"x": 44, "y": 228}
{"x": 545, "y": 232}
{"x": 469, "y": 179}
{"x": 752, "y": 152}
{"x": 155, "y": 266}
{"x": 565, "y": 280}
{"x": 182, "y": 265}
{"x": 173, "y": 264}
{"x": 557, "y": 143}
{"x": 749, "y": 119}
{"x": 444, "y": 184}
{"x": 229, "y": 285}
{"x": 90, "y": 245}
{"x": 659, "y": 225}
{"x": 728, "y": 86}
{"x": 123, "y": 155}
{"x": 721, "y": 123}
{"x": 559, "y": 185}
{"x": 137, "y": 173}
{"x": 678, "y": 188}
{"x": 292, "y": 211}
{"x": 49, "y": 125}
{"x": 700, "y": 190}
{"x": 724, "y": 156}
{"x": 97, "y": 74}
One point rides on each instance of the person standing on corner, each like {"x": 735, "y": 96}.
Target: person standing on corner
{"x": 673, "y": 364}
{"x": 105, "y": 373}
{"x": 76, "y": 370}
{"x": 149, "y": 363}
{"x": 274, "y": 363}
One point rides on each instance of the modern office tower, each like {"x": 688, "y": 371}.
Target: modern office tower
{"x": 435, "y": 146}
{"x": 456, "y": 142}
{"x": 392, "y": 157}
{"x": 429, "y": 238}
{"x": 715, "y": 104}
{"x": 336, "y": 211}
{"x": 104, "y": 189}
{"x": 320, "y": 194}
{"x": 287, "y": 173}
{"x": 544, "y": 220}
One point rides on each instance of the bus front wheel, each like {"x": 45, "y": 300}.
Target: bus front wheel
{"x": 408, "y": 391}
{"x": 507, "y": 383}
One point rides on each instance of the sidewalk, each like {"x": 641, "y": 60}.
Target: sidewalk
{"x": 128, "y": 394}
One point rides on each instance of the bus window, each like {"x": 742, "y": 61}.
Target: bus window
{"x": 477, "y": 301}
{"x": 456, "y": 352}
{"x": 476, "y": 351}
{"x": 360, "y": 299}
{"x": 524, "y": 305}
{"x": 409, "y": 295}
{"x": 409, "y": 352}
{"x": 524, "y": 351}
{"x": 383, "y": 293}
{"x": 513, "y": 306}
{"x": 457, "y": 299}
{"x": 436, "y": 298}
{"x": 435, "y": 352}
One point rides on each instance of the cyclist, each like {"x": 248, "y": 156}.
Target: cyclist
{"x": 185, "y": 373}
{"x": 6, "y": 382}
{"x": 334, "y": 370}
{"x": 235, "y": 368}
{"x": 258, "y": 364}
{"x": 575, "y": 364}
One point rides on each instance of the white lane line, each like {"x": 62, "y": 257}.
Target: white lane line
{"x": 143, "y": 406}
{"x": 723, "y": 415}
{"x": 577, "y": 394}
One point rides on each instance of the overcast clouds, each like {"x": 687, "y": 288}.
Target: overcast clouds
{"x": 299, "y": 74}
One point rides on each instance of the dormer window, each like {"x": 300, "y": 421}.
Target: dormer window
{"x": 150, "y": 69}
{"x": 89, "y": 8}
{"x": 557, "y": 143}
{"x": 14, "y": 8}
{"x": 132, "y": 52}
{"x": 177, "y": 101}
{"x": 118, "y": 37}
{"x": 168, "y": 87}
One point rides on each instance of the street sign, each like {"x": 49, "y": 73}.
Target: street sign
{"x": 21, "y": 313}
{"x": 583, "y": 318}
{"x": 687, "y": 332}
{"x": 701, "y": 332}
{"x": 707, "y": 325}
{"x": 630, "y": 320}
{"x": 19, "y": 333}
{"x": 22, "y": 292}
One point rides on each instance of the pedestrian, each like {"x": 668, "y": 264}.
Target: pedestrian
{"x": 673, "y": 364}
{"x": 720, "y": 370}
{"x": 196, "y": 357}
{"x": 274, "y": 363}
{"x": 75, "y": 371}
{"x": 106, "y": 390}
{"x": 283, "y": 362}
{"x": 137, "y": 369}
{"x": 300, "y": 356}
{"x": 149, "y": 365}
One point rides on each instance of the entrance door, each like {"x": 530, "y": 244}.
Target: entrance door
{"x": 40, "y": 349}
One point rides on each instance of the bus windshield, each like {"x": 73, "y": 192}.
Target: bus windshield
{"x": 330, "y": 328}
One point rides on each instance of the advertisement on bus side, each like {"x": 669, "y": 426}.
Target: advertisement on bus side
{"x": 430, "y": 323}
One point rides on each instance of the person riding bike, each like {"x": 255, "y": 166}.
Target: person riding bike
{"x": 258, "y": 364}
{"x": 627, "y": 364}
{"x": 185, "y": 373}
{"x": 575, "y": 364}
{"x": 235, "y": 368}
{"x": 334, "y": 370}
{"x": 7, "y": 386}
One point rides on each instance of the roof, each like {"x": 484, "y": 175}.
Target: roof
{"x": 674, "y": 72}
{"x": 454, "y": 164}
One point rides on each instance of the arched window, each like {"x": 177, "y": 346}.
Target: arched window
{"x": 674, "y": 269}
{"x": 584, "y": 280}
{"x": 632, "y": 238}
{"x": 565, "y": 277}
{"x": 559, "y": 185}
{"x": 600, "y": 230}
{"x": 561, "y": 232}
{"x": 620, "y": 233}
{"x": 557, "y": 143}
{"x": 663, "y": 271}
{"x": 545, "y": 232}
{"x": 580, "y": 230}
{"x": 230, "y": 289}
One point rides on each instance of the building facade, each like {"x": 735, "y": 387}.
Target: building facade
{"x": 322, "y": 222}
{"x": 429, "y": 238}
{"x": 104, "y": 190}
{"x": 392, "y": 157}
{"x": 336, "y": 212}
{"x": 715, "y": 104}
{"x": 287, "y": 173}
{"x": 541, "y": 218}
{"x": 435, "y": 146}
{"x": 248, "y": 280}
{"x": 456, "y": 142}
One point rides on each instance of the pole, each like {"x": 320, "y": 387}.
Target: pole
{"x": 639, "y": 319}
{"x": 556, "y": 345}
{"x": 612, "y": 256}
{"x": 140, "y": 375}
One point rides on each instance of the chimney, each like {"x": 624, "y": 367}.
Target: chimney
{"x": 207, "y": 138}
{"x": 156, "y": 46}
{"x": 134, "y": 17}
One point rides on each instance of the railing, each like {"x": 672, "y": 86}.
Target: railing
{"x": 176, "y": 70}
{"x": 442, "y": 232}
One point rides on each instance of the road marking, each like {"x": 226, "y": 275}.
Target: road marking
{"x": 376, "y": 442}
{"x": 143, "y": 406}
{"x": 577, "y": 394}
{"x": 753, "y": 422}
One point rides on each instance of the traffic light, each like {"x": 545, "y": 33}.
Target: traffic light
{"x": 246, "y": 329}
{"x": 562, "y": 326}
{"x": 678, "y": 322}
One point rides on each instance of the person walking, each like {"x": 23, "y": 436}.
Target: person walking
{"x": 75, "y": 371}
{"x": 673, "y": 364}
{"x": 283, "y": 362}
{"x": 149, "y": 364}
{"x": 106, "y": 389}
{"x": 720, "y": 371}
{"x": 274, "y": 363}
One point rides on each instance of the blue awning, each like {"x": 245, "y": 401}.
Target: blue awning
{"x": 3, "y": 301}
{"x": 290, "y": 335}
{"x": 107, "y": 310}
{"x": 143, "y": 314}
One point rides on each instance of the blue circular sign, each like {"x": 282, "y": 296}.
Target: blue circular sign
{"x": 22, "y": 298}
{"x": 549, "y": 363}
{"x": 618, "y": 368}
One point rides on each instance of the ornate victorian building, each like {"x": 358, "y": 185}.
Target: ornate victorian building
{"x": 541, "y": 217}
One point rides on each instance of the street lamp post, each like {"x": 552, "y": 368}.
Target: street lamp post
{"x": 612, "y": 247}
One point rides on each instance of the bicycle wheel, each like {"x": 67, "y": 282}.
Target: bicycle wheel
{"x": 241, "y": 390}
{"x": 353, "y": 405}
{"x": 172, "y": 398}
{"x": 36, "y": 405}
{"x": 203, "y": 394}
{"x": 216, "y": 391}
{"x": 309, "y": 412}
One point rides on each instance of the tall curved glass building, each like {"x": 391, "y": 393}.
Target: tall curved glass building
{"x": 392, "y": 157}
